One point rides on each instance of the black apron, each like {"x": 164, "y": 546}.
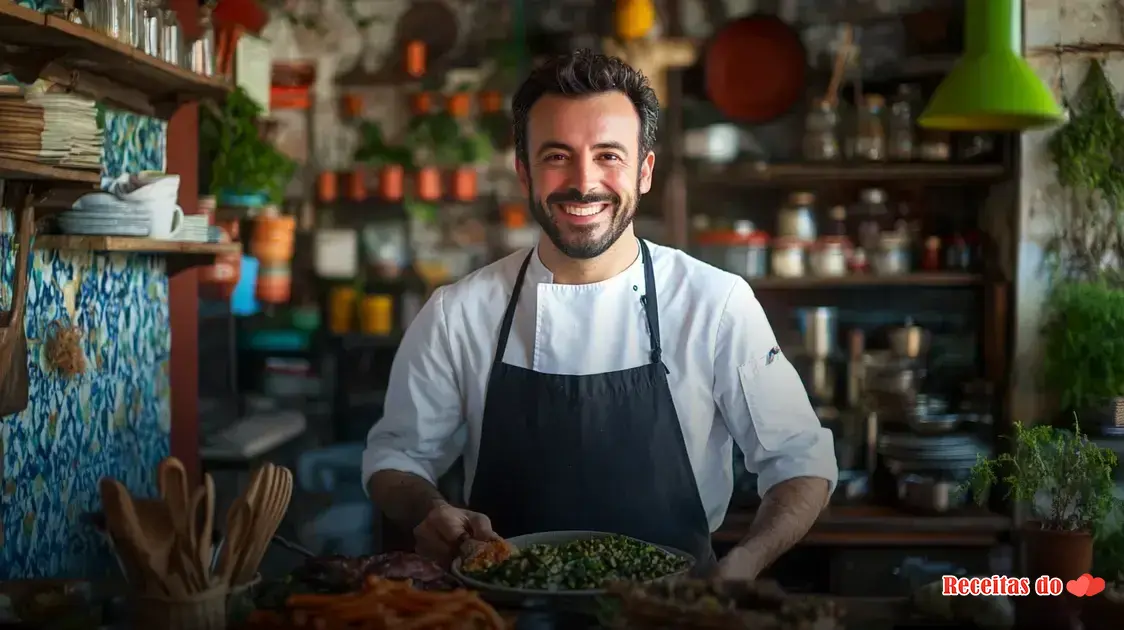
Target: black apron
{"x": 599, "y": 452}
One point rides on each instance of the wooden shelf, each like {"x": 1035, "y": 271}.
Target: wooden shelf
{"x": 809, "y": 174}
{"x": 882, "y": 525}
{"x": 96, "y": 65}
{"x": 934, "y": 280}
{"x": 11, "y": 168}
{"x": 180, "y": 255}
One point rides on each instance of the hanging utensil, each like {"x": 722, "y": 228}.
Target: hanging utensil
{"x": 13, "y": 337}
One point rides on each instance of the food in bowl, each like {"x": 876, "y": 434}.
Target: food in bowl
{"x": 478, "y": 555}
{"x": 582, "y": 565}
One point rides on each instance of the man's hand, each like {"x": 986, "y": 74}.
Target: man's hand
{"x": 439, "y": 536}
{"x": 740, "y": 564}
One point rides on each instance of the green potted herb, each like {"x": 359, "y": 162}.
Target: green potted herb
{"x": 245, "y": 168}
{"x": 1104, "y": 613}
{"x": 1083, "y": 361}
{"x": 390, "y": 161}
{"x": 1066, "y": 482}
{"x": 433, "y": 140}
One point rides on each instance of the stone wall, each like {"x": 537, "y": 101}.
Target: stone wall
{"x": 1049, "y": 22}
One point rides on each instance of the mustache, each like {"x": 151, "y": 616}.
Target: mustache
{"x": 574, "y": 195}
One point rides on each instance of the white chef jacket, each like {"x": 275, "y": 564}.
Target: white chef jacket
{"x": 728, "y": 379}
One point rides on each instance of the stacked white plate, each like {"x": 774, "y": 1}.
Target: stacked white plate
{"x": 105, "y": 215}
{"x": 195, "y": 229}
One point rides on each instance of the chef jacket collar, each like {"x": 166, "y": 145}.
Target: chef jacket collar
{"x": 537, "y": 273}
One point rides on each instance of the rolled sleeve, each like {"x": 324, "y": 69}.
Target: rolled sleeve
{"x": 763, "y": 401}
{"x": 422, "y": 428}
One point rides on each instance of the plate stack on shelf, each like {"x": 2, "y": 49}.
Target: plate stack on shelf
{"x": 50, "y": 128}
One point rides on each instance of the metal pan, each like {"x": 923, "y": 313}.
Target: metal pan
{"x": 508, "y": 594}
{"x": 755, "y": 69}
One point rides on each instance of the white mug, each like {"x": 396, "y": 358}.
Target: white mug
{"x": 166, "y": 220}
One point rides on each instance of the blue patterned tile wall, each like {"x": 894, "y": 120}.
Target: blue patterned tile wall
{"x": 113, "y": 420}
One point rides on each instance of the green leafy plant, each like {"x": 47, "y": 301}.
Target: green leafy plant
{"x": 434, "y": 139}
{"x": 1063, "y": 478}
{"x": 375, "y": 151}
{"x": 241, "y": 160}
{"x": 1084, "y": 343}
{"x": 475, "y": 148}
{"x": 1088, "y": 152}
{"x": 1108, "y": 554}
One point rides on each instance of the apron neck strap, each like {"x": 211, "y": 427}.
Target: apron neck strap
{"x": 651, "y": 308}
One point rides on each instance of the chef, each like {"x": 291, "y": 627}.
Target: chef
{"x": 597, "y": 381}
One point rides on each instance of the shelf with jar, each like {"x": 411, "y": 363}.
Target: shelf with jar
{"x": 117, "y": 60}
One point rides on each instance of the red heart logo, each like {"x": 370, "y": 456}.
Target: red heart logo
{"x": 1080, "y": 586}
{"x": 1096, "y": 585}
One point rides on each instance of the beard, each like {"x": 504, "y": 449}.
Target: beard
{"x": 584, "y": 242}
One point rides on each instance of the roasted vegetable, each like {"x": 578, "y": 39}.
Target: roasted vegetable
{"x": 583, "y": 565}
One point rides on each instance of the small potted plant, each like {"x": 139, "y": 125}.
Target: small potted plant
{"x": 434, "y": 139}
{"x": 1066, "y": 482}
{"x": 459, "y": 103}
{"x": 389, "y": 161}
{"x": 246, "y": 169}
{"x": 475, "y": 150}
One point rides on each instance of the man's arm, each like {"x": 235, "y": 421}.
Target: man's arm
{"x": 420, "y": 434}
{"x": 767, "y": 411}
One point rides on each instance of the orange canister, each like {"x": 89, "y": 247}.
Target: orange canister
{"x": 272, "y": 240}
{"x": 275, "y": 283}
{"x": 341, "y": 309}
{"x": 376, "y": 315}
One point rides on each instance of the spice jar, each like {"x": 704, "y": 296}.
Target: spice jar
{"x": 829, "y": 257}
{"x": 931, "y": 256}
{"x": 798, "y": 219}
{"x": 821, "y": 132}
{"x": 893, "y": 255}
{"x": 788, "y": 257}
{"x": 872, "y": 216}
{"x": 743, "y": 250}
{"x": 870, "y": 139}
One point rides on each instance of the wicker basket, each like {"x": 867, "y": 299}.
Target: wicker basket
{"x": 201, "y": 611}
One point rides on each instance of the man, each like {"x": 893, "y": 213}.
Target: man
{"x": 597, "y": 382}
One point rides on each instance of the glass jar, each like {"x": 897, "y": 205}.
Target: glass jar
{"x": 893, "y": 255}
{"x": 872, "y": 216}
{"x": 788, "y": 257}
{"x": 798, "y": 218}
{"x": 870, "y": 139}
{"x": 743, "y": 250}
{"x": 829, "y": 258}
{"x": 901, "y": 125}
{"x": 821, "y": 132}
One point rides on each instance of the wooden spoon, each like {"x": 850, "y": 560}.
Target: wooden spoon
{"x": 172, "y": 478}
{"x": 277, "y": 504}
{"x": 124, "y": 524}
{"x": 255, "y": 531}
{"x": 205, "y": 536}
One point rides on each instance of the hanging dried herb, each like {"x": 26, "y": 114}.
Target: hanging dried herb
{"x": 64, "y": 349}
{"x": 1088, "y": 152}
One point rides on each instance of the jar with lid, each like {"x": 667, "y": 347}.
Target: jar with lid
{"x": 743, "y": 250}
{"x": 893, "y": 255}
{"x": 829, "y": 257}
{"x": 901, "y": 125}
{"x": 837, "y": 221}
{"x": 872, "y": 216}
{"x": 870, "y": 136}
{"x": 798, "y": 218}
{"x": 821, "y": 132}
{"x": 788, "y": 257}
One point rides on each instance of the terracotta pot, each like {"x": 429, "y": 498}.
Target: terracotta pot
{"x": 513, "y": 215}
{"x": 491, "y": 102}
{"x": 275, "y": 285}
{"x": 1059, "y": 554}
{"x": 459, "y": 105}
{"x": 357, "y": 184}
{"x": 351, "y": 105}
{"x": 464, "y": 183}
{"x": 427, "y": 183}
{"x": 272, "y": 240}
{"x": 421, "y": 103}
{"x": 392, "y": 182}
{"x": 327, "y": 187}
{"x": 341, "y": 309}
{"x": 218, "y": 281}
{"x": 415, "y": 59}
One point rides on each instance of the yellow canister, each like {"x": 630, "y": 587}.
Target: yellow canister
{"x": 341, "y": 309}
{"x": 376, "y": 315}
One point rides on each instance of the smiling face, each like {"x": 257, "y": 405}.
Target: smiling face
{"x": 584, "y": 173}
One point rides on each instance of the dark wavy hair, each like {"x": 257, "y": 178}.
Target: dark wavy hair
{"x": 581, "y": 73}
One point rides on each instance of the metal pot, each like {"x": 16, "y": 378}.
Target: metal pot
{"x": 909, "y": 341}
{"x": 929, "y": 494}
{"x": 819, "y": 328}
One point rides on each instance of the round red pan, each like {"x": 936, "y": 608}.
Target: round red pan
{"x": 755, "y": 69}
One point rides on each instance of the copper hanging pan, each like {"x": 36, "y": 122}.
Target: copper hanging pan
{"x": 13, "y": 337}
{"x": 755, "y": 69}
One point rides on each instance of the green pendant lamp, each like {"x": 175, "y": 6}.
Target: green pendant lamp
{"x": 992, "y": 88}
